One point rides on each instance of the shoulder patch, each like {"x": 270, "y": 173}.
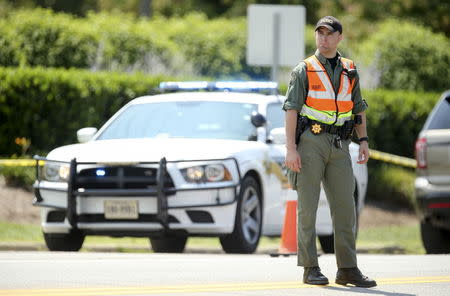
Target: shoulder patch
{"x": 293, "y": 78}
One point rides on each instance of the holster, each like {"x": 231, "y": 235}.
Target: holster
{"x": 348, "y": 127}
{"x": 302, "y": 124}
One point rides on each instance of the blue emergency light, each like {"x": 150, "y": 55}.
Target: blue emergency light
{"x": 219, "y": 85}
{"x": 100, "y": 172}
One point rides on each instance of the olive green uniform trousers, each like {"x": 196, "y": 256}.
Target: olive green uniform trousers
{"x": 323, "y": 162}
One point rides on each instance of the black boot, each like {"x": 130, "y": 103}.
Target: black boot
{"x": 313, "y": 276}
{"x": 353, "y": 276}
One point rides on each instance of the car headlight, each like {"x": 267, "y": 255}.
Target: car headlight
{"x": 206, "y": 173}
{"x": 56, "y": 172}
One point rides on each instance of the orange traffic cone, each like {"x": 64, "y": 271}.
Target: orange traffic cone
{"x": 288, "y": 244}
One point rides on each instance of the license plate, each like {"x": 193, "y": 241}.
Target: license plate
{"x": 121, "y": 209}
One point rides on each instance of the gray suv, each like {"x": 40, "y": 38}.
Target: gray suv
{"x": 433, "y": 178}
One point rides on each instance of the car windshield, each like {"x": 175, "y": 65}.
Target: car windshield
{"x": 193, "y": 119}
{"x": 275, "y": 116}
{"x": 440, "y": 118}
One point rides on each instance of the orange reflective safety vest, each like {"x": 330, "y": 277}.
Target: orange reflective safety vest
{"x": 322, "y": 102}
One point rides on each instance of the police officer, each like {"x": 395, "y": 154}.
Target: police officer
{"x": 324, "y": 92}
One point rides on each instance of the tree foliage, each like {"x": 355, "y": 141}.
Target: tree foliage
{"x": 408, "y": 56}
{"x": 432, "y": 13}
{"x": 185, "y": 46}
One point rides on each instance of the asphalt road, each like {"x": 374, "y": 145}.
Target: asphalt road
{"x": 83, "y": 274}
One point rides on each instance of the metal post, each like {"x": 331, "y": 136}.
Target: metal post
{"x": 275, "y": 46}
{"x": 162, "y": 204}
{"x": 146, "y": 8}
{"x": 71, "y": 197}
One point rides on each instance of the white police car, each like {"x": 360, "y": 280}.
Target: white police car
{"x": 174, "y": 165}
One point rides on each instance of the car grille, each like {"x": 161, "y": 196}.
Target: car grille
{"x": 120, "y": 177}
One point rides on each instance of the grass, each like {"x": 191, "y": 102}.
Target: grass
{"x": 401, "y": 239}
{"x": 404, "y": 239}
{"x": 28, "y": 233}
{"x": 10, "y": 232}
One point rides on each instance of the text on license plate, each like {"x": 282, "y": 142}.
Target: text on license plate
{"x": 121, "y": 209}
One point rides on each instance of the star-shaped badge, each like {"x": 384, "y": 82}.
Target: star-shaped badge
{"x": 316, "y": 128}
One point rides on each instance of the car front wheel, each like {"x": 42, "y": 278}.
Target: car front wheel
{"x": 68, "y": 242}
{"x": 248, "y": 222}
{"x": 168, "y": 243}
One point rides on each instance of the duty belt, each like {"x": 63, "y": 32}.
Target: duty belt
{"x": 318, "y": 127}
{"x": 343, "y": 132}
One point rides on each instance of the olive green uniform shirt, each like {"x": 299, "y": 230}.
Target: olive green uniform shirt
{"x": 298, "y": 85}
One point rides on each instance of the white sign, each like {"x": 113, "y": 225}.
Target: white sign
{"x": 276, "y": 35}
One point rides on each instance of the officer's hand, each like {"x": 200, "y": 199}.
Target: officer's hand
{"x": 293, "y": 161}
{"x": 363, "y": 156}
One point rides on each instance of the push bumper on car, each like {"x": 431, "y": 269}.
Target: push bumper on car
{"x": 160, "y": 221}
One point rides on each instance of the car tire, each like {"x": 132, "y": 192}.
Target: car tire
{"x": 168, "y": 243}
{"x": 327, "y": 241}
{"x": 435, "y": 240}
{"x": 67, "y": 242}
{"x": 248, "y": 222}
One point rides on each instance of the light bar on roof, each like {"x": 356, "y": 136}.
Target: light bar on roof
{"x": 219, "y": 85}
{"x": 184, "y": 85}
{"x": 246, "y": 85}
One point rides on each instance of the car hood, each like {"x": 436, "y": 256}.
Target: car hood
{"x": 149, "y": 150}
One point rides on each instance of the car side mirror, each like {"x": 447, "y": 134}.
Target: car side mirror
{"x": 86, "y": 134}
{"x": 258, "y": 120}
{"x": 278, "y": 136}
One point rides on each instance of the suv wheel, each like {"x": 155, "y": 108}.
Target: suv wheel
{"x": 248, "y": 222}
{"x": 68, "y": 242}
{"x": 168, "y": 244}
{"x": 435, "y": 240}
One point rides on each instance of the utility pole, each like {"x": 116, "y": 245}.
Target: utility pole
{"x": 146, "y": 8}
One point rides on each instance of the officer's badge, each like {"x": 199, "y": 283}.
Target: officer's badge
{"x": 316, "y": 128}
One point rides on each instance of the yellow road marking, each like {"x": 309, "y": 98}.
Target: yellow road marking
{"x": 203, "y": 288}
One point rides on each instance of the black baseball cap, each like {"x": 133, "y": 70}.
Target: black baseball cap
{"x": 331, "y": 23}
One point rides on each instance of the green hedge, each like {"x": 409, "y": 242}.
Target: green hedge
{"x": 395, "y": 118}
{"x": 188, "y": 45}
{"x": 48, "y": 106}
{"x": 391, "y": 184}
{"x": 407, "y": 56}
{"x": 22, "y": 177}
{"x": 191, "y": 45}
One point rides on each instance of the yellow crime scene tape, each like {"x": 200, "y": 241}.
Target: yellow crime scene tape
{"x": 374, "y": 154}
{"x": 20, "y": 162}
{"x": 392, "y": 158}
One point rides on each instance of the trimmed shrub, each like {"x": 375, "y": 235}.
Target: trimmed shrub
{"x": 408, "y": 56}
{"x": 188, "y": 45}
{"x": 43, "y": 38}
{"x": 22, "y": 177}
{"x": 395, "y": 118}
{"x": 391, "y": 184}
{"x": 48, "y": 106}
